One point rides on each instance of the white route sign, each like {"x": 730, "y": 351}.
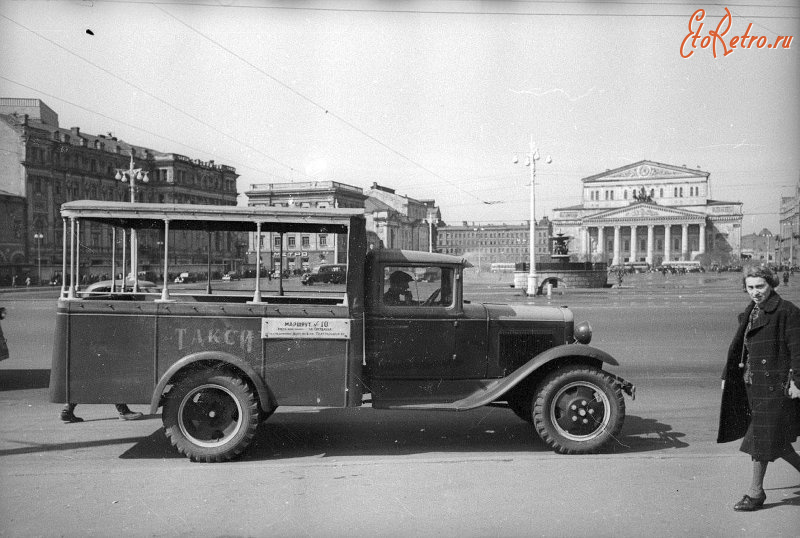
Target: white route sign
{"x": 306, "y": 328}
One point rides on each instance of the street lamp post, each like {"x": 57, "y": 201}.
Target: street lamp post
{"x": 39, "y": 238}
{"x": 479, "y": 237}
{"x": 131, "y": 175}
{"x": 530, "y": 161}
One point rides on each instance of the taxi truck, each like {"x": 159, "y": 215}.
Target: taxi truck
{"x": 219, "y": 361}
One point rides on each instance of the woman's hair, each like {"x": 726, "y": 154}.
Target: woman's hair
{"x": 760, "y": 271}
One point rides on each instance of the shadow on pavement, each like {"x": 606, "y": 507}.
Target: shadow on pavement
{"x": 35, "y": 448}
{"x": 646, "y": 434}
{"x": 789, "y": 501}
{"x": 155, "y": 445}
{"x": 366, "y": 432}
{"x": 24, "y": 379}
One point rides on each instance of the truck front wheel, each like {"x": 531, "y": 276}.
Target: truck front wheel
{"x": 577, "y": 410}
{"x": 210, "y": 416}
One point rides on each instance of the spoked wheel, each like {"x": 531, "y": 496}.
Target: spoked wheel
{"x": 210, "y": 417}
{"x": 578, "y": 410}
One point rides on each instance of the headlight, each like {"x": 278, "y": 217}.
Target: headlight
{"x": 583, "y": 332}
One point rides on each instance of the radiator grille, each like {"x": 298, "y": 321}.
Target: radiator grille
{"x": 518, "y": 348}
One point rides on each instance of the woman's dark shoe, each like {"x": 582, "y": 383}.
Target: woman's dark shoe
{"x": 750, "y": 504}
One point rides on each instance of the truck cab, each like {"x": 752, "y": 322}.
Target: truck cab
{"x": 432, "y": 349}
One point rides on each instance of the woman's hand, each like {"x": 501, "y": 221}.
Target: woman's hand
{"x": 794, "y": 392}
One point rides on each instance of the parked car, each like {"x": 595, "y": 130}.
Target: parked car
{"x": 231, "y": 275}
{"x": 327, "y": 274}
{"x": 103, "y": 287}
{"x": 185, "y": 278}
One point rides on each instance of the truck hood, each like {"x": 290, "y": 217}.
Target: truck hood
{"x": 504, "y": 312}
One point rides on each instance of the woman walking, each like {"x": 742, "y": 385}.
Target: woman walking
{"x": 760, "y": 394}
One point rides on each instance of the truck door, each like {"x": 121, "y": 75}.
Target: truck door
{"x": 412, "y": 332}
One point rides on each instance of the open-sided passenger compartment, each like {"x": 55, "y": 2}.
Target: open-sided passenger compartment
{"x": 169, "y": 218}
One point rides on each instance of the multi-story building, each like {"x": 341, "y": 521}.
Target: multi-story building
{"x": 654, "y": 213}
{"x": 789, "y": 235}
{"x": 484, "y": 244}
{"x": 399, "y": 221}
{"x": 294, "y": 251}
{"x": 762, "y": 247}
{"x": 392, "y": 221}
{"x": 43, "y": 165}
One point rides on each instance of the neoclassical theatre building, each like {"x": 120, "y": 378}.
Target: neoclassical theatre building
{"x": 651, "y": 212}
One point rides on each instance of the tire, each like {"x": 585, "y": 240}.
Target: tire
{"x": 578, "y": 409}
{"x": 210, "y": 416}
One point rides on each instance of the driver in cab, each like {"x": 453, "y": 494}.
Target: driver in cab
{"x": 398, "y": 293}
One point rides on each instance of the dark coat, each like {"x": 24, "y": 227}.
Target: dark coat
{"x": 774, "y": 348}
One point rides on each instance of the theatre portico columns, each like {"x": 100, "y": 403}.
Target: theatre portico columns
{"x": 672, "y": 234}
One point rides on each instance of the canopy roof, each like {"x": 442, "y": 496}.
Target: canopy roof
{"x": 415, "y": 256}
{"x": 212, "y": 217}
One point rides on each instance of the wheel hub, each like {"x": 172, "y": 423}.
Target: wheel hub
{"x": 579, "y": 411}
{"x": 209, "y": 415}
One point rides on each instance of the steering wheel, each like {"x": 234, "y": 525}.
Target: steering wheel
{"x": 432, "y": 299}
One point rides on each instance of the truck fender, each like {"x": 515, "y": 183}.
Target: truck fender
{"x": 264, "y": 394}
{"x": 498, "y": 387}
{"x": 554, "y": 353}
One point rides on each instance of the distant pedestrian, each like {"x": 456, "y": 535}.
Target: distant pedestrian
{"x": 786, "y": 278}
{"x": 14, "y": 281}
{"x": 28, "y": 282}
{"x": 3, "y": 344}
{"x": 761, "y": 383}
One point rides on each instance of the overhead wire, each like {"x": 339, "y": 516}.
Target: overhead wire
{"x": 289, "y": 88}
{"x": 476, "y": 12}
{"x": 147, "y": 92}
{"x": 122, "y": 122}
{"x": 317, "y": 105}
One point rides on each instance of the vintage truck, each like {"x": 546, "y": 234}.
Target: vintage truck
{"x": 220, "y": 362}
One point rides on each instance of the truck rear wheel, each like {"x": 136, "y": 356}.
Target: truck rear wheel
{"x": 578, "y": 409}
{"x": 210, "y": 416}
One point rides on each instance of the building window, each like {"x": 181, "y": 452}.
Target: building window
{"x": 323, "y": 241}
{"x": 305, "y": 241}
{"x": 277, "y": 241}
{"x": 292, "y": 241}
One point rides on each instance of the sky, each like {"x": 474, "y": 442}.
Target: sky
{"x": 431, "y": 98}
